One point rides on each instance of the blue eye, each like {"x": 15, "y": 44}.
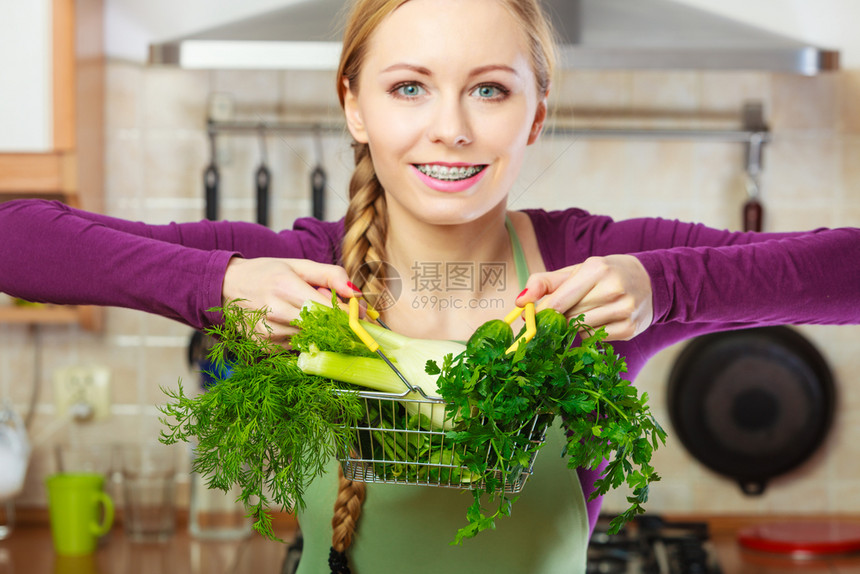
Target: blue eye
{"x": 408, "y": 90}
{"x": 490, "y": 92}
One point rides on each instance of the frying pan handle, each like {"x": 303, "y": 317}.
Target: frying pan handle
{"x": 210, "y": 183}
{"x": 263, "y": 179}
{"x": 752, "y": 488}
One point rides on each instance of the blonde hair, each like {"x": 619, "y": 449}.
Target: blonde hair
{"x": 366, "y": 221}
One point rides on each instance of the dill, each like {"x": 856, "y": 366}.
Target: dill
{"x": 268, "y": 427}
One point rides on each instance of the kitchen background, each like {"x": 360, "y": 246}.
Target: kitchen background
{"x": 156, "y": 148}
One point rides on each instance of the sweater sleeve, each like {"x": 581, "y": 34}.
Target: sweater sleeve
{"x": 755, "y": 279}
{"x": 55, "y": 254}
{"x": 702, "y": 276}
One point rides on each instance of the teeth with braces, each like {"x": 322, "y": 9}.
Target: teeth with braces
{"x": 446, "y": 173}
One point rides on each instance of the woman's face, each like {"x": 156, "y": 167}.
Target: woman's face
{"x": 448, "y": 101}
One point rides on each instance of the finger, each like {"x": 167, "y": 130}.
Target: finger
{"x": 573, "y": 291}
{"x": 333, "y": 277}
{"x": 620, "y": 319}
{"x": 601, "y": 317}
{"x": 540, "y": 284}
{"x": 619, "y": 331}
{"x": 291, "y": 296}
{"x": 590, "y": 285}
{"x": 275, "y": 330}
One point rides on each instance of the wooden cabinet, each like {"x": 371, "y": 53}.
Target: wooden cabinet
{"x": 71, "y": 170}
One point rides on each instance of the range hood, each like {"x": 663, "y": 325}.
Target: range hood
{"x": 594, "y": 34}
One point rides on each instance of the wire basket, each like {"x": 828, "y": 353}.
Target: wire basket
{"x": 393, "y": 444}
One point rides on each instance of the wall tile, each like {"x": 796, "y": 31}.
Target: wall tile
{"x": 311, "y": 90}
{"x": 256, "y": 95}
{"x": 849, "y": 96}
{"x": 124, "y": 164}
{"x": 848, "y": 216}
{"x": 666, "y": 99}
{"x": 719, "y": 495}
{"x": 797, "y": 217}
{"x": 124, "y": 99}
{"x": 175, "y": 98}
{"x": 727, "y": 92}
{"x": 809, "y": 497}
{"x": 804, "y": 103}
{"x": 169, "y": 159}
{"x": 659, "y": 171}
{"x": 850, "y": 164}
{"x": 801, "y": 168}
{"x": 718, "y": 170}
{"x": 846, "y": 496}
{"x": 565, "y": 172}
{"x": 593, "y": 91}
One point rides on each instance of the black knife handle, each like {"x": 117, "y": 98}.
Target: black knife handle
{"x": 318, "y": 183}
{"x": 210, "y": 182}
{"x": 263, "y": 179}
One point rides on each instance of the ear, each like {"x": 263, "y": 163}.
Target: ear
{"x": 353, "y": 115}
{"x": 540, "y": 118}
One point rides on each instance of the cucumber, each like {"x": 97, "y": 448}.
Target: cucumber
{"x": 492, "y": 334}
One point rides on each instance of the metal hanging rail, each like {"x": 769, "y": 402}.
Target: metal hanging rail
{"x": 214, "y": 128}
{"x": 728, "y": 136}
{"x": 754, "y": 134}
{"x": 303, "y": 128}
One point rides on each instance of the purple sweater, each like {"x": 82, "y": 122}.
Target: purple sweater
{"x": 703, "y": 280}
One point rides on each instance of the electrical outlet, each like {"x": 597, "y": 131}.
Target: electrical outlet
{"x": 83, "y": 392}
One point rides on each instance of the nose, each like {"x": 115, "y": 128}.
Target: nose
{"x": 451, "y": 125}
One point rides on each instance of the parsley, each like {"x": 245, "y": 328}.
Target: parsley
{"x": 551, "y": 376}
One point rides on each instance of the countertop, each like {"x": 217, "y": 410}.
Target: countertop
{"x": 29, "y": 551}
{"x": 734, "y": 559}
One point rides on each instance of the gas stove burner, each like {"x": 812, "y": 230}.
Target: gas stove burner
{"x": 652, "y": 545}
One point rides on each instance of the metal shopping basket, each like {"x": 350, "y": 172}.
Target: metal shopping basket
{"x": 393, "y": 443}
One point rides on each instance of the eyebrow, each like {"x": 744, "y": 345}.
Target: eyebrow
{"x": 476, "y": 72}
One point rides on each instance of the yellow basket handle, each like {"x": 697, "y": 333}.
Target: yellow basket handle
{"x": 531, "y": 329}
{"x": 372, "y": 313}
{"x": 370, "y": 342}
{"x": 356, "y": 327}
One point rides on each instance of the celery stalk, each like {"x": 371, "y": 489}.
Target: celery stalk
{"x": 362, "y": 371}
{"x": 375, "y": 374}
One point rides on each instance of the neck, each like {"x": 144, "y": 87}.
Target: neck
{"x": 412, "y": 244}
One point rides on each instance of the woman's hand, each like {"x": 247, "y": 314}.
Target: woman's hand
{"x": 613, "y": 292}
{"x": 282, "y": 286}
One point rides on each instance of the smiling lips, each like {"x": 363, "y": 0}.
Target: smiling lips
{"x": 449, "y": 178}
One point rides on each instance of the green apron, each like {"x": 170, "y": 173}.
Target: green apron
{"x": 406, "y": 528}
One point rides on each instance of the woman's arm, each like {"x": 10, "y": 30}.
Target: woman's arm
{"x": 641, "y": 272}
{"x": 804, "y": 278}
{"x": 56, "y": 254}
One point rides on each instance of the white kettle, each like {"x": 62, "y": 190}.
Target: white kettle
{"x": 14, "y": 452}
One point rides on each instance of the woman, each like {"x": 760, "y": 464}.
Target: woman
{"x": 442, "y": 97}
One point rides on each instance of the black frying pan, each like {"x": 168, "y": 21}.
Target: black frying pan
{"x": 751, "y": 404}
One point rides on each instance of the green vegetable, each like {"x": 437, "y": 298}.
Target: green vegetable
{"x": 268, "y": 427}
{"x": 325, "y": 353}
{"x": 550, "y": 376}
{"x": 490, "y": 333}
{"x": 274, "y": 423}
